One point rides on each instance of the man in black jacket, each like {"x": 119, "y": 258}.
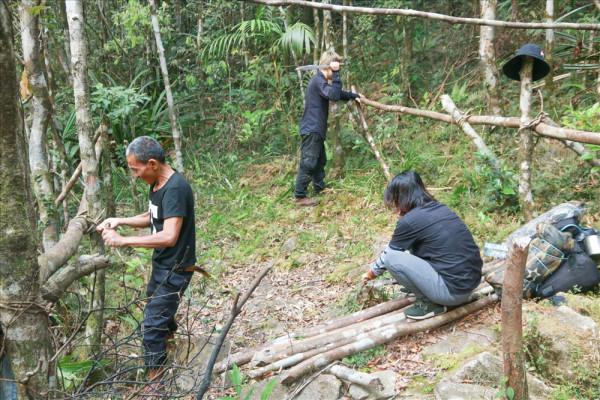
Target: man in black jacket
{"x": 313, "y": 126}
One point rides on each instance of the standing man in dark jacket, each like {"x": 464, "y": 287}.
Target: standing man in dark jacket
{"x": 313, "y": 126}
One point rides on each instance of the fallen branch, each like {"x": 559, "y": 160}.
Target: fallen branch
{"x": 244, "y": 357}
{"x": 460, "y": 119}
{"x": 429, "y": 15}
{"x": 236, "y": 309}
{"x": 382, "y": 336}
{"x": 58, "y": 283}
{"x": 540, "y": 127}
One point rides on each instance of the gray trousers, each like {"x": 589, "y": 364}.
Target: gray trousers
{"x": 418, "y": 276}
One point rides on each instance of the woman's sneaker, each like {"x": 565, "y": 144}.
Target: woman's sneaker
{"x": 423, "y": 309}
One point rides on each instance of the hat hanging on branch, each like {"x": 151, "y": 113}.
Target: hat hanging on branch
{"x": 540, "y": 66}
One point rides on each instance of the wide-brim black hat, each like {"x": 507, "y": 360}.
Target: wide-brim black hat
{"x": 540, "y": 66}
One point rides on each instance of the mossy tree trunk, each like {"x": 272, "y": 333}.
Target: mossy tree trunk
{"x": 23, "y": 322}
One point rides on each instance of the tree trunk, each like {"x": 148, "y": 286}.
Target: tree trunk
{"x": 407, "y": 53}
{"x": 549, "y": 50}
{"x": 24, "y": 324}
{"x": 327, "y": 42}
{"x": 487, "y": 56}
{"x": 165, "y": 75}
{"x": 95, "y": 323}
{"x": 526, "y": 145}
{"x": 66, "y": 42}
{"x": 512, "y": 323}
{"x": 41, "y": 177}
{"x": 89, "y": 162}
{"x": 317, "y": 48}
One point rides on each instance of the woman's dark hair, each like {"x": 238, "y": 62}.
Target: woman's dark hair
{"x": 405, "y": 192}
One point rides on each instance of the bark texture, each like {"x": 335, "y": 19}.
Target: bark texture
{"x": 548, "y": 51}
{"x": 165, "y": 74}
{"x": 89, "y": 162}
{"x": 487, "y": 56}
{"x": 512, "y": 321}
{"x": 24, "y": 324}
{"x": 41, "y": 177}
{"x": 526, "y": 140}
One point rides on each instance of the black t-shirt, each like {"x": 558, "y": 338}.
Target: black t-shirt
{"x": 174, "y": 199}
{"x": 436, "y": 234}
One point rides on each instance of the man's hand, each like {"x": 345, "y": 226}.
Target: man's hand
{"x": 112, "y": 238}
{"x": 334, "y": 65}
{"x": 108, "y": 223}
{"x": 368, "y": 276}
{"x": 359, "y": 97}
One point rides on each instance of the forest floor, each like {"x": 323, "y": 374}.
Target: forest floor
{"x": 318, "y": 255}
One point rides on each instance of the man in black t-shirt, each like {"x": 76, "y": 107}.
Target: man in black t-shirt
{"x": 170, "y": 216}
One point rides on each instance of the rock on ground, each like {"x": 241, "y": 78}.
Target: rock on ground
{"x": 324, "y": 387}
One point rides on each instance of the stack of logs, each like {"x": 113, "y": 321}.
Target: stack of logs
{"x": 312, "y": 349}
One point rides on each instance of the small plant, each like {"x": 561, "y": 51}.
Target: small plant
{"x": 360, "y": 360}
{"x": 505, "y": 392}
{"x": 239, "y": 385}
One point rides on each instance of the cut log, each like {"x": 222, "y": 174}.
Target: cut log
{"x": 512, "y": 321}
{"x": 244, "y": 357}
{"x": 283, "y": 350}
{"x": 381, "y": 336}
{"x": 367, "y": 381}
{"x": 359, "y": 316}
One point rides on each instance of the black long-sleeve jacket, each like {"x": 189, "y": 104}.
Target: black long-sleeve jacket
{"x": 316, "y": 105}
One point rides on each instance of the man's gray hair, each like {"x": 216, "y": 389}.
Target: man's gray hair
{"x": 144, "y": 148}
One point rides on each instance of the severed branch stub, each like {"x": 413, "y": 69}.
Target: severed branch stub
{"x": 236, "y": 309}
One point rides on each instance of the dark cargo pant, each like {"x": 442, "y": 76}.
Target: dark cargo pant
{"x": 164, "y": 291}
{"x": 312, "y": 164}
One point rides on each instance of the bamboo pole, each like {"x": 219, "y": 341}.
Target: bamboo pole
{"x": 429, "y": 15}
